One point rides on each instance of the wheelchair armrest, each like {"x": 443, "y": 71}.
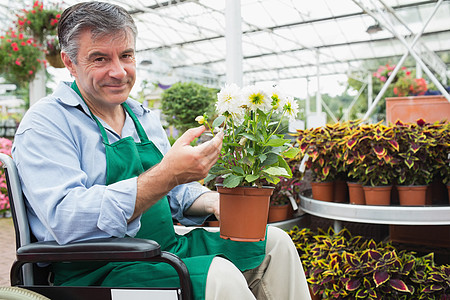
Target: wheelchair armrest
{"x": 107, "y": 249}
{"x": 110, "y": 249}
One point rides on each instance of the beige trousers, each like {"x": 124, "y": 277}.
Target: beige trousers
{"x": 279, "y": 277}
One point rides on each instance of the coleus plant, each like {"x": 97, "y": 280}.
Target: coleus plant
{"x": 342, "y": 266}
{"x": 324, "y": 149}
{"x": 415, "y": 160}
{"x": 375, "y": 147}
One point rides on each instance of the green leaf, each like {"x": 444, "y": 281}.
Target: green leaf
{"x": 276, "y": 171}
{"x": 232, "y": 181}
{"x": 218, "y": 170}
{"x": 271, "y": 159}
{"x": 248, "y": 160}
{"x": 249, "y": 136}
{"x": 276, "y": 142}
{"x": 218, "y": 121}
{"x": 282, "y": 163}
{"x": 291, "y": 153}
{"x": 209, "y": 178}
{"x": 251, "y": 177}
{"x": 237, "y": 169}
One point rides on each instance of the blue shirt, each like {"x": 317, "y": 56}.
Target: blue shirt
{"x": 61, "y": 162}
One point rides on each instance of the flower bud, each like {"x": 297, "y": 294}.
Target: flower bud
{"x": 200, "y": 120}
{"x": 243, "y": 141}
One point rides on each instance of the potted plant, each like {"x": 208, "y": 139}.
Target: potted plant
{"x": 414, "y": 168}
{"x": 20, "y": 57}
{"x": 253, "y": 154}
{"x": 377, "y": 148}
{"x": 324, "y": 150}
{"x": 440, "y": 154}
{"x": 286, "y": 191}
{"x": 39, "y": 22}
{"x": 22, "y": 48}
{"x": 316, "y": 147}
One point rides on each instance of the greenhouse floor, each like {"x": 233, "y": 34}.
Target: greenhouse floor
{"x": 7, "y": 249}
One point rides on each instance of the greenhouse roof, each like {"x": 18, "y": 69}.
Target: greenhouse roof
{"x": 281, "y": 39}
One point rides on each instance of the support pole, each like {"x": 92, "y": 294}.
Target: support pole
{"x": 233, "y": 37}
{"x": 308, "y": 100}
{"x": 318, "y": 96}
{"x": 37, "y": 86}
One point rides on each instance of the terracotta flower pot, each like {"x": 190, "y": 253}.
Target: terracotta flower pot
{"x": 280, "y": 212}
{"x": 356, "y": 193}
{"x": 323, "y": 191}
{"x": 412, "y": 194}
{"x": 377, "y": 195}
{"x": 244, "y": 213}
{"x": 340, "y": 192}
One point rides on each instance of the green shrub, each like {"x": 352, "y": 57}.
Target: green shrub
{"x": 184, "y": 101}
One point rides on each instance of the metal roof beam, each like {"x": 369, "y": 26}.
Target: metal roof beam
{"x": 180, "y": 44}
{"x": 302, "y": 49}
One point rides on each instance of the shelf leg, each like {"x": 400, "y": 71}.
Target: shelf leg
{"x": 337, "y": 226}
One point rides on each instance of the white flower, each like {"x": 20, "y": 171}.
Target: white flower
{"x": 229, "y": 99}
{"x": 291, "y": 107}
{"x": 278, "y": 99}
{"x": 256, "y": 98}
{"x": 238, "y": 115}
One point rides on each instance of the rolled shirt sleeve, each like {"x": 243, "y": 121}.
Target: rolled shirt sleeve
{"x": 181, "y": 198}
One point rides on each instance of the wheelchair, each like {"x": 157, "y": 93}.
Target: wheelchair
{"x": 26, "y": 275}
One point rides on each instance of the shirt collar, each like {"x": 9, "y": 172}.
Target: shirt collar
{"x": 69, "y": 97}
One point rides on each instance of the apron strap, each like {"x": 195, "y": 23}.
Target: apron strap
{"x": 140, "y": 130}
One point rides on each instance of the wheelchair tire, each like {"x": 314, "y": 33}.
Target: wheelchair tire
{"x": 16, "y": 293}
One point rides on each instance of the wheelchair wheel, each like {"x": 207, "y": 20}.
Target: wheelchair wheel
{"x": 15, "y": 293}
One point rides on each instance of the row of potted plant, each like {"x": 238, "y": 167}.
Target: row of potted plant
{"x": 401, "y": 154}
{"x": 342, "y": 266}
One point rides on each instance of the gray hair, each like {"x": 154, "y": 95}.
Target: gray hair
{"x": 101, "y": 18}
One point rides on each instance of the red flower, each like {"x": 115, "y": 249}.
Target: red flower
{"x": 30, "y": 72}
{"x": 18, "y": 62}
{"x": 58, "y": 16}
{"x": 23, "y": 44}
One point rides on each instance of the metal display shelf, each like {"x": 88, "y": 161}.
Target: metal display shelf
{"x": 376, "y": 214}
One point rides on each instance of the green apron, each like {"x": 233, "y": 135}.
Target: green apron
{"x": 126, "y": 159}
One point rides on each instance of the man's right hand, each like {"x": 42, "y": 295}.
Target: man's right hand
{"x": 183, "y": 163}
{"x": 188, "y": 163}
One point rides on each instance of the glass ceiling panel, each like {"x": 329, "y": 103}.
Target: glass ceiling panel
{"x": 280, "y": 37}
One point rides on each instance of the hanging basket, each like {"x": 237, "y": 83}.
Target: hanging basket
{"x": 244, "y": 212}
{"x": 55, "y": 60}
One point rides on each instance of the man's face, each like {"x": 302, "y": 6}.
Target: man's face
{"x": 106, "y": 68}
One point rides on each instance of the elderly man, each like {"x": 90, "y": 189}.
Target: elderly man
{"x": 94, "y": 163}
